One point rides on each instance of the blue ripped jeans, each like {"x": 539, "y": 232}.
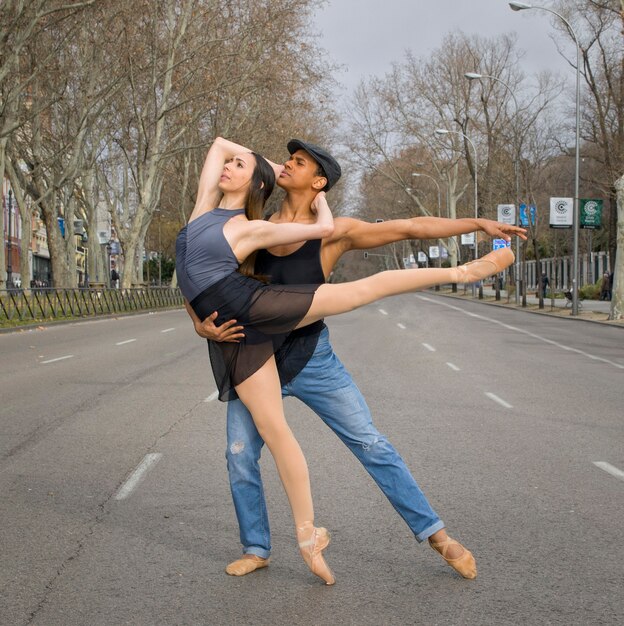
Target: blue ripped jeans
{"x": 326, "y": 387}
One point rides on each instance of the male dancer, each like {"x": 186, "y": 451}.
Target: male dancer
{"x": 309, "y": 369}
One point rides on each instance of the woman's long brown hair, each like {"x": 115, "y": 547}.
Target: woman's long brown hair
{"x": 260, "y": 188}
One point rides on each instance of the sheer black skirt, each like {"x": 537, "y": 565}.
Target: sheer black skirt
{"x": 267, "y": 312}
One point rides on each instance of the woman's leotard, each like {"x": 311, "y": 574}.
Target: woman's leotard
{"x": 209, "y": 280}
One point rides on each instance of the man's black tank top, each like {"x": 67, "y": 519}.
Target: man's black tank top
{"x": 302, "y": 267}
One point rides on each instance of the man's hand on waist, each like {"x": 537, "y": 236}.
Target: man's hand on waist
{"x": 227, "y": 332}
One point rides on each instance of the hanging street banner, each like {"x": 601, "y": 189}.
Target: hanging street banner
{"x": 591, "y": 213}
{"x": 524, "y": 218}
{"x": 561, "y": 212}
{"x": 468, "y": 239}
{"x": 422, "y": 257}
{"x": 507, "y": 213}
{"x": 434, "y": 252}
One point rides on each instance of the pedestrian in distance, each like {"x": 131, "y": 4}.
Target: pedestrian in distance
{"x": 543, "y": 284}
{"x": 605, "y": 287}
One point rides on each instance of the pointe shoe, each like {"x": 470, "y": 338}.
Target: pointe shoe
{"x": 490, "y": 264}
{"x": 311, "y": 549}
{"x": 245, "y": 565}
{"x": 465, "y": 565}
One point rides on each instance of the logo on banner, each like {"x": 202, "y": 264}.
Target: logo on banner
{"x": 468, "y": 239}
{"x": 591, "y": 213}
{"x": 434, "y": 252}
{"x": 561, "y": 212}
{"x": 422, "y": 257}
{"x": 507, "y": 213}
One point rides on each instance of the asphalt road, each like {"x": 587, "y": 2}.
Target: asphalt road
{"x": 500, "y": 414}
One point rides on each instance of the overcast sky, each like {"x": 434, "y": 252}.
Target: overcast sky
{"x": 366, "y": 36}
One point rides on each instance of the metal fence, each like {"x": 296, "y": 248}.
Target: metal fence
{"x": 47, "y": 303}
{"x": 559, "y": 271}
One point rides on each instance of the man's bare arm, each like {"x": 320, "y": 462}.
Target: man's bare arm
{"x": 358, "y": 235}
{"x": 227, "y": 332}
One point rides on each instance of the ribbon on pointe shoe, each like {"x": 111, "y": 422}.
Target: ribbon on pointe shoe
{"x": 311, "y": 550}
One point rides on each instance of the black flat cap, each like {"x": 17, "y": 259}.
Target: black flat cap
{"x": 329, "y": 165}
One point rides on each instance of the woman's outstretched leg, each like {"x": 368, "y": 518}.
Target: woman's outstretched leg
{"x": 261, "y": 394}
{"x": 333, "y": 299}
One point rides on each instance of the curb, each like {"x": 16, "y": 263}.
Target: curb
{"x": 510, "y": 307}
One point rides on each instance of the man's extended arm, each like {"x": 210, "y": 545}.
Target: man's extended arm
{"x": 357, "y": 235}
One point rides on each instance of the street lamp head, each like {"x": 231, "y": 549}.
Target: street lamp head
{"x": 519, "y": 6}
{"x": 473, "y": 76}
{"x": 441, "y": 131}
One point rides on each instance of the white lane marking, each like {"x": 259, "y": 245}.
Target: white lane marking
{"x": 610, "y": 469}
{"x": 167, "y": 330}
{"x": 383, "y": 312}
{"x": 213, "y": 396}
{"x": 453, "y": 367}
{"x": 500, "y": 401}
{"x": 401, "y": 326}
{"x": 121, "y": 343}
{"x": 430, "y": 348}
{"x": 526, "y": 332}
{"x": 149, "y": 460}
{"x": 60, "y": 358}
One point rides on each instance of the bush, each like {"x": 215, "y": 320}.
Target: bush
{"x": 590, "y": 292}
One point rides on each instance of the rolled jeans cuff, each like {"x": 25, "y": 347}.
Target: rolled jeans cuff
{"x": 257, "y": 551}
{"x": 425, "y": 534}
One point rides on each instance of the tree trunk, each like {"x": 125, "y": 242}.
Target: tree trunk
{"x": 617, "y": 297}
{"x": 26, "y": 227}
{"x": 3, "y": 275}
{"x": 63, "y": 275}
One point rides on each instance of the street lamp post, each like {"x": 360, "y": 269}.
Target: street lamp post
{"x": 437, "y": 186}
{"x": 444, "y": 131}
{"x": 521, "y": 6}
{"x": 417, "y": 174}
{"x": 477, "y": 76}
{"x": 9, "y": 266}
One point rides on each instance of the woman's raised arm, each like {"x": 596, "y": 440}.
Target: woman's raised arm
{"x": 208, "y": 193}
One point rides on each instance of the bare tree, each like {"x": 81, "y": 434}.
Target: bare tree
{"x": 394, "y": 119}
{"x": 21, "y": 23}
{"x": 598, "y": 26}
{"x": 52, "y": 147}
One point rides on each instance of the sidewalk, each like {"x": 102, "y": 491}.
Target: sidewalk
{"x": 589, "y": 310}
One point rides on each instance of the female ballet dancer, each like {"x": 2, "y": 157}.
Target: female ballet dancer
{"x": 211, "y": 249}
